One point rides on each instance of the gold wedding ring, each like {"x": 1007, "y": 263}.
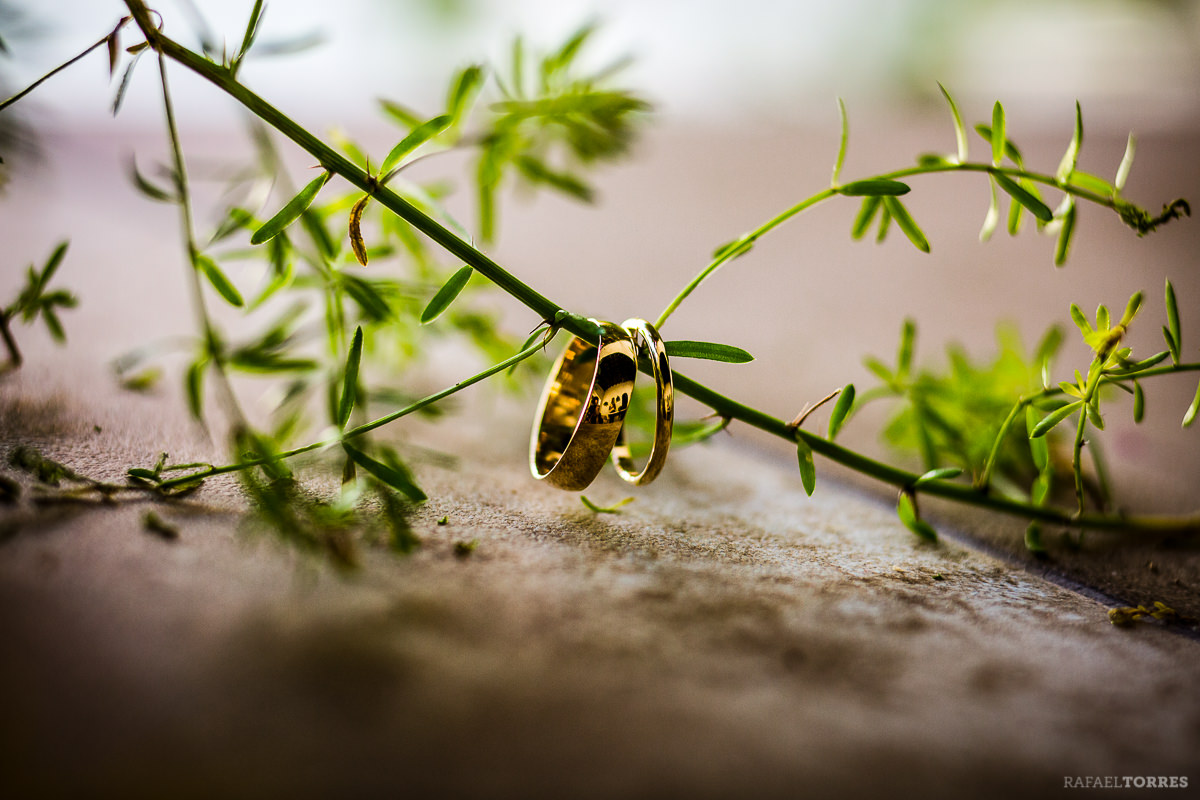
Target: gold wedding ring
{"x": 582, "y": 410}
{"x": 644, "y": 335}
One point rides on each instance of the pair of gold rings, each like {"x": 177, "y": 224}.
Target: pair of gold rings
{"x": 581, "y": 418}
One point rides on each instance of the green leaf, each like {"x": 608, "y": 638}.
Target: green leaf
{"x": 1033, "y": 538}
{"x": 1126, "y": 163}
{"x": 1132, "y": 308}
{"x": 463, "y": 91}
{"x": 446, "y": 295}
{"x": 906, "y": 223}
{"x": 350, "y": 379}
{"x": 256, "y": 14}
{"x": 354, "y": 230}
{"x": 147, "y": 188}
{"x": 711, "y": 351}
{"x": 866, "y": 213}
{"x": 394, "y": 473}
{"x": 53, "y": 324}
{"x": 1081, "y": 321}
{"x": 942, "y": 474}
{"x": 877, "y": 187}
{"x": 904, "y": 354}
{"x": 1025, "y": 198}
{"x": 218, "y": 280}
{"x": 1092, "y": 183}
{"x": 906, "y": 509}
{"x": 1190, "y": 416}
{"x": 841, "y": 153}
{"x": 1010, "y": 149}
{"x": 416, "y": 137}
{"x": 885, "y": 221}
{"x": 992, "y": 219}
{"x": 1039, "y": 448}
{"x": 402, "y": 114}
{"x": 841, "y": 410}
{"x": 1066, "y": 167}
{"x": 997, "y": 133}
{"x": 1139, "y": 402}
{"x": 734, "y": 249}
{"x": 537, "y": 172}
{"x": 52, "y": 264}
{"x": 123, "y": 86}
{"x": 1063, "y": 246}
{"x": 808, "y": 469}
{"x": 1173, "y": 332}
{"x": 615, "y": 508}
{"x": 291, "y": 211}
{"x": 194, "y": 387}
{"x": 960, "y": 130}
{"x": 1053, "y": 418}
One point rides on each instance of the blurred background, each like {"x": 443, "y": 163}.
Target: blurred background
{"x": 744, "y": 124}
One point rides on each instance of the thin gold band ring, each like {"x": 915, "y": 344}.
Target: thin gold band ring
{"x": 582, "y": 409}
{"x": 644, "y": 335}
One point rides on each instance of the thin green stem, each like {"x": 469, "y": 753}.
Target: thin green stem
{"x": 56, "y": 70}
{"x": 732, "y": 252}
{"x": 10, "y": 343}
{"x": 189, "y": 242}
{"x": 367, "y": 427}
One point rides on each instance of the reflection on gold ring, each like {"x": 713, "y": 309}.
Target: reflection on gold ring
{"x": 583, "y": 408}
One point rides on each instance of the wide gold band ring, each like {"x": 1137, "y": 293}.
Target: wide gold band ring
{"x": 644, "y": 335}
{"x": 582, "y": 409}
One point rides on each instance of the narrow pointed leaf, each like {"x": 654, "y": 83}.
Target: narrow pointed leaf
{"x": 446, "y": 295}
{"x": 885, "y": 222}
{"x": 464, "y": 90}
{"x": 1062, "y": 246}
{"x": 880, "y": 187}
{"x": 942, "y": 474}
{"x": 147, "y": 188}
{"x": 866, "y": 213}
{"x": 1126, "y": 163}
{"x": 123, "y": 86}
{"x": 992, "y": 219}
{"x": 808, "y": 469}
{"x": 1066, "y": 167}
{"x": 1024, "y": 197}
{"x": 53, "y": 263}
{"x": 355, "y": 230}
{"x": 416, "y": 137}
{"x": 904, "y": 354}
{"x": 218, "y": 280}
{"x": 960, "y": 130}
{"x": 1139, "y": 402}
{"x": 711, "y": 351}
{"x": 194, "y": 387}
{"x": 997, "y": 133}
{"x": 906, "y": 223}
{"x": 1175, "y": 340}
{"x": 1092, "y": 183}
{"x": 1033, "y": 538}
{"x": 291, "y": 211}
{"x": 841, "y": 153}
{"x": 1081, "y": 321}
{"x": 1053, "y": 418}
{"x": 1039, "y": 448}
{"x": 1010, "y": 149}
{"x": 906, "y": 509}
{"x": 399, "y": 113}
{"x": 350, "y": 379}
{"x": 1190, "y": 416}
{"x": 841, "y": 410}
{"x": 394, "y": 474}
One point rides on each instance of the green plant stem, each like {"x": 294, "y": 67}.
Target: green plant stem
{"x": 907, "y": 172}
{"x": 189, "y": 242}
{"x": 10, "y": 343}
{"x": 367, "y": 427}
{"x": 578, "y": 325}
{"x": 54, "y": 72}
